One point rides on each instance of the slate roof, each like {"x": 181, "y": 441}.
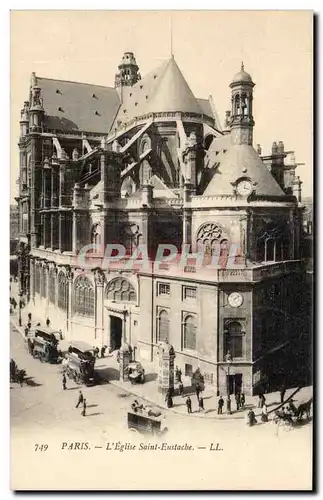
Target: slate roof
{"x": 163, "y": 89}
{"x": 93, "y": 108}
{"x": 229, "y": 166}
{"x": 78, "y": 106}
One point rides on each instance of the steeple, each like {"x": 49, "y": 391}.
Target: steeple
{"x": 128, "y": 73}
{"x": 241, "y": 121}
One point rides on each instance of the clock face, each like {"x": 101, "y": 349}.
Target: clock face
{"x": 235, "y": 299}
{"x": 244, "y": 188}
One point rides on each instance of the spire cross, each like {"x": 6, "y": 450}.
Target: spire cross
{"x": 242, "y": 66}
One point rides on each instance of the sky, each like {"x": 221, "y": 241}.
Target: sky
{"x": 87, "y": 46}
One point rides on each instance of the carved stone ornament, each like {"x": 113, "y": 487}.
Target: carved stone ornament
{"x": 99, "y": 277}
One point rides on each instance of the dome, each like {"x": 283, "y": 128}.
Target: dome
{"x": 242, "y": 76}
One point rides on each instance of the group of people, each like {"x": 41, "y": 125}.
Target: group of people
{"x": 200, "y": 400}
{"x": 97, "y": 351}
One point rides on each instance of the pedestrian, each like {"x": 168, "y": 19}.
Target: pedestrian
{"x": 96, "y": 352}
{"x": 237, "y": 396}
{"x": 169, "y": 401}
{"x": 130, "y": 353}
{"x": 262, "y": 401}
{"x": 103, "y": 348}
{"x": 229, "y": 405}
{"x": 201, "y": 404}
{"x": 84, "y": 408}
{"x": 29, "y": 325}
{"x": 282, "y": 393}
{"x": 181, "y": 389}
{"x": 21, "y": 375}
{"x": 64, "y": 381}
{"x": 197, "y": 390}
{"x": 80, "y": 399}
{"x": 26, "y": 331}
{"x": 242, "y": 401}
{"x": 259, "y": 400}
{"x": 189, "y": 405}
{"x": 29, "y": 316}
{"x": 60, "y": 334}
{"x": 14, "y": 303}
{"x": 220, "y": 405}
{"x": 264, "y": 413}
{"x": 47, "y": 322}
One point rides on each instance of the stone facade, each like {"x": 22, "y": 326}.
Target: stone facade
{"x": 170, "y": 175}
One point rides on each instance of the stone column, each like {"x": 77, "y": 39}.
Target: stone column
{"x": 61, "y": 232}
{"x": 99, "y": 281}
{"x": 166, "y": 355}
{"x": 46, "y": 230}
{"x": 46, "y": 273}
{"x": 54, "y": 230}
{"x": 32, "y": 279}
{"x": 62, "y": 185}
{"x": 55, "y": 184}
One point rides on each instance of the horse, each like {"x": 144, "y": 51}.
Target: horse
{"x": 304, "y": 408}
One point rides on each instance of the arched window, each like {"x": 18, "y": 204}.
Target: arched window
{"x": 121, "y": 290}
{"x": 83, "y": 297}
{"x": 273, "y": 243}
{"x": 62, "y": 291}
{"x": 237, "y": 108}
{"x": 44, "y": 283}
{"x": 189, "y": 332}
{"x": 162, "y": 326}
{"x": 234, "y": 338}
{"x": 52, "y": 286}
{"x": 212, "y": 239}
{"x": 37, "y": 278}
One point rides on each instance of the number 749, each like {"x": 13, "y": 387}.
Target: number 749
{"x": 41, "y": 447}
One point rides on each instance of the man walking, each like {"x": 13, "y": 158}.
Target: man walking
{"x": 189, "y": 405}
{"x": 201, "y": 404}
{"x": 84, "y": 408}
{"x": 64, "y": 381}
{"x": 238, "y": 400}
{"x": 220, "y": 405}
{"x": 282, "y": 393}
{"x": 198, "y": 391}
{"x": 80, "y": 399}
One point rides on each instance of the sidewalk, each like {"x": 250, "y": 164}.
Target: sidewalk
{"x": 108, "y": 369}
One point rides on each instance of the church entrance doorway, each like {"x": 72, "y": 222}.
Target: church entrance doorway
{"x": 235, "y": 383}
{"x": 115, "y": 332}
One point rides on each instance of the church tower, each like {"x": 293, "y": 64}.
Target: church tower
{"x": 128, "y": 73}
{"x": 242, "y": 121}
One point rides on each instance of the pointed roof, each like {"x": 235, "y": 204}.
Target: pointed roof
{"x": 163, "y": 89}
{"x": 239, "y": 161}
{"x": 172, "y": 92}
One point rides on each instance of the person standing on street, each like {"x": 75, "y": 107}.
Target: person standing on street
{"x": 84, "y": 408}
{"x": 201, "y": 404}
{"x": 103, "y": 348}
{"x": 282, "y": 393}
{"x": 220, "y": 405}
{"x": 80, "y": 399}
{"x": 47, "y": 322}
{"x": 197, "y": 391}
{"x": 64, "y": 381}
{"x": 181, "y": 389}
{"x": 189, "y": 405}
{"x": 238, "y": 403}
{"x": 242, "y": 401}
{"x": 229, "y": 405}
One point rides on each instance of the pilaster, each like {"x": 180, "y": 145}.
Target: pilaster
{"x": 99, "y": 282}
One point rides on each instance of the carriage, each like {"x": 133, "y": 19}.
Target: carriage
{"x": 294, "y": 414}
{"x": 146, "y": 420}
{"x": 79, "y": 363}
{"x": 44, "y": 350}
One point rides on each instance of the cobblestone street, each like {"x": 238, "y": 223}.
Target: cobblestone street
{"x": 41, "y": 412}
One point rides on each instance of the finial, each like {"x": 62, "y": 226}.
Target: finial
{"x": 242, "y": 66}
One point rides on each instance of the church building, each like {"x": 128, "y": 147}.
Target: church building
{"x": 145, "y": 162}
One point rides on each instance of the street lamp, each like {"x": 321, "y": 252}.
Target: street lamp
{"x": 228, "y": 360}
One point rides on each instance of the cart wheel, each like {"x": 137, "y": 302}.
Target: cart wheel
{"x": 133, "y": 430}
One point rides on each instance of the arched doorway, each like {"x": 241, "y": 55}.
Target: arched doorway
{"x": 115, "y": 332}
